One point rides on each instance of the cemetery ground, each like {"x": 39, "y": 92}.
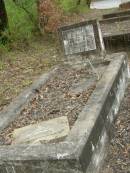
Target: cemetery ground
{"x": 25, "y": 61}
{"x": 18, "y": 69}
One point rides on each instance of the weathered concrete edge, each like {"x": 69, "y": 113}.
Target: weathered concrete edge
{"x": 82, "y": 143}
{"x": 19, "y": 102}
{"x": 110, "y": 105}
{"x": 111, "y": 20}
{"x": 116, "y": 14}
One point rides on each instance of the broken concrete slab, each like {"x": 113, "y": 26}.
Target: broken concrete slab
{"x": 42, "y": 132}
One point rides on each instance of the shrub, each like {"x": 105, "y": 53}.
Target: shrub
{"x": 49, "y": 15}
{"x": 21, "y": 27}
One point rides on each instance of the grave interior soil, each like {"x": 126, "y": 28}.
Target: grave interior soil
{"x": 64, "y": 94}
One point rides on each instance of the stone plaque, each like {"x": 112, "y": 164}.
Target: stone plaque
{"x": 80, "y": 38}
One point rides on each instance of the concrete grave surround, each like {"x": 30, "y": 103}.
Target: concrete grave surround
{"x": 84, "y": 148}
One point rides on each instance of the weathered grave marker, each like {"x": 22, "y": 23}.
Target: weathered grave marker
{"x": 82, "y": 38}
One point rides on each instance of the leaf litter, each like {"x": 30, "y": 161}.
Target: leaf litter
{"x": 54, "y": 99}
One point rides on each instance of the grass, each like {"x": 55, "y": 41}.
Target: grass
{"x": 22, "y": 31}
{"x": 70, "y": 6}
{"x": 20, "y": 25}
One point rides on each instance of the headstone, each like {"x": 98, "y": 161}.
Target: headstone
{"x": 82, "y": 38}
{"x": 43, "y": 132}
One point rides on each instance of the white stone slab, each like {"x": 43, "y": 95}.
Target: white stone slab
{"x": 105, "y": 4}
{"x": 42, "y": 132}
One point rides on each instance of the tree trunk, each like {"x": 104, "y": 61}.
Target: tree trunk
{"x": 78, "y": 2}
{"x": 3, "y": 16}
{"x": 87, "y": 2}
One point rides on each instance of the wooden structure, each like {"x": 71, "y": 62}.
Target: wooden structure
{"x": 115, "y": 26}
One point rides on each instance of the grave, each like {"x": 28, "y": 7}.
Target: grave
{"x": 43, "y": 132}
{"x": 89, "y": 107}
{"x": 116, "y": 14}
{"x": 115, "y": 26}
{"x": 116, "y": 31}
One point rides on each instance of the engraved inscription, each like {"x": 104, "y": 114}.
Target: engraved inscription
{"x": 78, "y": 40}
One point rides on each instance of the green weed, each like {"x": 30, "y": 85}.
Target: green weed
{"x": 26, "y": 82}
{"x": 70, "y": 6}
{"x": 20, "y": 25}
{"x": 1, "y": 65}
{"x": 3, "y": 50}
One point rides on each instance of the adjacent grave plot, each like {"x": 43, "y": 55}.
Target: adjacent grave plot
{"x": 82, "y": 38}
{"x": 65, "y": 94}
{"x": 113, "y": 27}
{"x": 117, "y": 14}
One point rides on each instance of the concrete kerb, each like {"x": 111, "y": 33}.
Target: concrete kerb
{"x": 11, "y": 112}
{"x": 84, "y": 148}
{"x": 116, "y": 14}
